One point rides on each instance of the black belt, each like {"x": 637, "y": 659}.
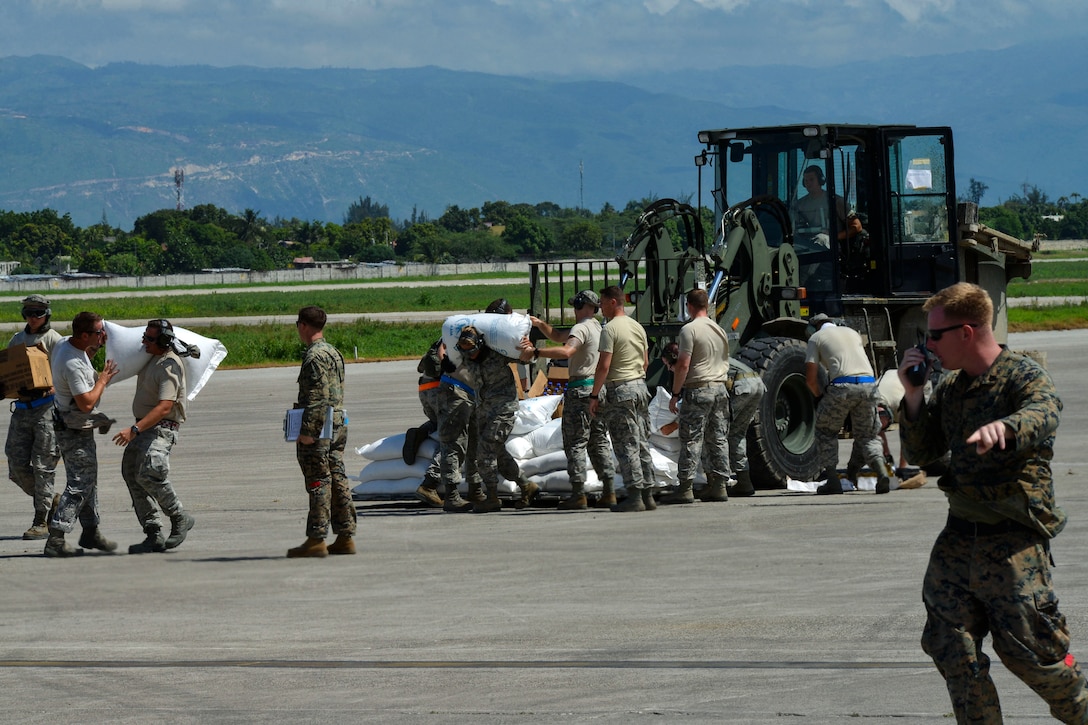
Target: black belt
{"x": 170, "y": 424}
{"x": 976, "y": 528}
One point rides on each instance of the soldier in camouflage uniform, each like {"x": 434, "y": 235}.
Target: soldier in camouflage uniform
{"x": 495, "y": 411}
{"x": 159, "y": 409}
{"x": 699, "y": 377}
{"x": 852, "y": 392}
{"x": 321, "y": 387}
{"x": 78, "y": 391}
{"x": 989, "y": 570}
{"x": 582, "y": 433}
{"x": 431, "y": 398}
{"x": 746, "y": 390}
{"x": 624, "y": 405}
{"x": 31, "y": 446}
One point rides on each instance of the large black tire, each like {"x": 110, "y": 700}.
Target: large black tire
{"x": 782, "y": 437}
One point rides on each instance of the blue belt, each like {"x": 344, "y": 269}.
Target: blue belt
{"x": 457, "y": 383}
{"x": 44, "y": 400}
{"x": 854, "y": 379}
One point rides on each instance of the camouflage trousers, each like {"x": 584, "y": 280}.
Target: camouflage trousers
{"x": 583, "y": 434}
{"x": 457, "y": 438}
{"x": 624, "y": 407}
{"x": 145, "y": 466}
{"x": 743, "y": 406}
{"x": 326, "y": 483}
{"x": 32, "y": 453}
{"x": 79, "y": 501}
{"x": 858, "y": 401}
{"x": 704, "y": 434}
{"x": 495, "y": 420}
{"x": 431, "y": 400}
{"x": 1001, "y": 585}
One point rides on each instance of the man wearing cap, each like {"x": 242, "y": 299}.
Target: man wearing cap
{"x": 698, "y": 379}
{"x": 31, "y": 446}
{"x": 624, "y": 405}
{"x": 851, "y": 391}
{"x": 159, "y": 410}
{"x": 495, "y": 411}
{"x": 582, "y": 432}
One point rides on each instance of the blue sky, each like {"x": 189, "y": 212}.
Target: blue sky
{"x": 581, "y": 38}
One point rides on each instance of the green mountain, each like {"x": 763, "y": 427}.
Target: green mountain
{"x": 307, "y": 143}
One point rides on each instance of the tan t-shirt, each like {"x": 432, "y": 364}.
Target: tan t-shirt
{"x": 163, "y": 378}
{"x": 626, "y": 340}
{"x": 840, "y": 350}
{"x": 583, "y": 363}
{"x": 709, "y": 349}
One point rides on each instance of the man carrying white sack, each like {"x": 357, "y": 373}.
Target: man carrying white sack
{"x": 581, "y": 431}
{"x": 159, "y": 409}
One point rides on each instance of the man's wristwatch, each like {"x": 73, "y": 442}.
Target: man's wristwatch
{"x": 135, "y": 429}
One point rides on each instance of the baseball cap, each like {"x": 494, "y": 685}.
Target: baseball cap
{"x": 585, "y": 297}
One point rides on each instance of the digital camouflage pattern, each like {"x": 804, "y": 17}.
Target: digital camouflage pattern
{"x": 320, "y": 385}
{"x": 457, "y": 437}
{"x": 80, "y": 497}
{"x": 858, "y": 401}
{"x": 32, "y": 453}
{"x": 145, "y": 467}
{"x": 704, "y": 434}
{"x": 999, "y": 583}
{"x": 624, "y": 407}
{"x": 496, "y": 407}
{"x": 583, "y": 434}
{"x": 746, "y": 390}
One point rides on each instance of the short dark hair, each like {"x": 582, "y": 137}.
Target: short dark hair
{"x": 500, "y": 307}
{"x": 698, "y": 299}
{"x": 613, "y": 292}
{"x": 85, "y": 322}
{"x": 313, "y": 316}
{"x": 670, "y": 353}
{"x": 814, "y": 169}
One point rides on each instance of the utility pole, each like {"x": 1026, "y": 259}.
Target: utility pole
{"x": 581, "y": 184}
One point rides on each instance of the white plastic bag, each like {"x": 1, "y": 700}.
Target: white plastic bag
{"x": 502, "y": 333}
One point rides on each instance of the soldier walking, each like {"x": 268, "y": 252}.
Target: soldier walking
{"x": 990, "y": 567}
{"x": 746, "y": 390}
{"x": 31, "y": 446}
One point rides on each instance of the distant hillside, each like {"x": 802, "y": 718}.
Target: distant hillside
{"x": 307, "y": 143}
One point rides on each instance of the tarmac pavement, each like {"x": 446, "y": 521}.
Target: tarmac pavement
{"x": 778, "y": 608}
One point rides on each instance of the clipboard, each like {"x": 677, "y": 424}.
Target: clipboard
{"x": 292, "y": 424}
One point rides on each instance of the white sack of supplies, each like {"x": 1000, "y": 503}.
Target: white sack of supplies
{"x": 124, "y": 345}
{"x": 502, "y": 333}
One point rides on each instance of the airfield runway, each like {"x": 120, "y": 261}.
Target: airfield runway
{"x": 778, "y": 608}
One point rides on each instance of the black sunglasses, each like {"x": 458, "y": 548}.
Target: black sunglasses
{"x": 32, "y": 312}
{"x": 936, "y": 335}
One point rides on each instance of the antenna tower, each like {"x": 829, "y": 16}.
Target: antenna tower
{"x": 179, "y": 182}
{"x": 581, "y": 185}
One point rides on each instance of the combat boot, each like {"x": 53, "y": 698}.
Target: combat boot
{"x": 490, "y": 503}
{"x": 682, "y": 494}
{"x": 344, "y": 544}
{"x": 648, "y": 498}
{"x": 476, "y": 491}
{"x": 180, "y": 524}
{"x": 454, "y": 503}
{"x": 310, "y": 549}
{"x": 429, "y": 496}
{"x": 92, "y": 538}
{"x": 576, "y": 501}
{"x": 743, "y": 486}
{"x": 56, "y": 548}
{"x": 607, "y": 498}
{"x": 831, "y": 486}
{"x": 633, "y": 502}
{"x": 154, "y": 542}
{"x": 39, "y": 528}
{"x": 528, "y": 490}
{"x": 713, "y": 493}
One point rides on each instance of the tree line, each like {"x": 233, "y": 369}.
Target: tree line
{"x": 171, "y": 241}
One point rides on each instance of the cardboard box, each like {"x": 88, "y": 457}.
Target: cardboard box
{"x": 23, "y": 367}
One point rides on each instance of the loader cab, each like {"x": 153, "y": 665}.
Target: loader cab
{"x": 871, "y": 208}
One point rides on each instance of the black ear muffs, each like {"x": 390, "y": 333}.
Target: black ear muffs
{"x": 166, "y": 337}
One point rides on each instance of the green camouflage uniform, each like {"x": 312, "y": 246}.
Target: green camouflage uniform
{"x": 989, "y": 570}
{"x": 320, "y": 385}
{"x": 457, "y": 432}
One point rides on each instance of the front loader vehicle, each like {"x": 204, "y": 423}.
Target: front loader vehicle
{"x": 859, "y": 222}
